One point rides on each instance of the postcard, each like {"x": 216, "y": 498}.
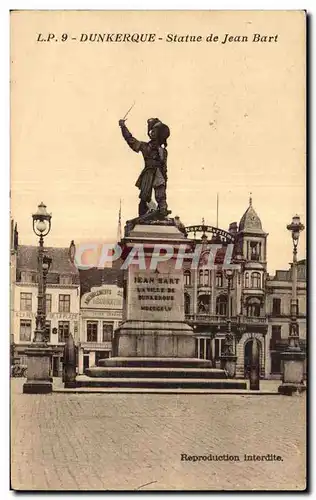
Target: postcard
{"x": 158, "y": 330}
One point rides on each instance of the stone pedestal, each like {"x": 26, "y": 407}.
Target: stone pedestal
{"x": 39, "y": 380}
{"x": 154, "y": 323}
{"x": 293, "y": 372}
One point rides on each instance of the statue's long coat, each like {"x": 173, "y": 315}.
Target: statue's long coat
{"x": 154, "y": 173}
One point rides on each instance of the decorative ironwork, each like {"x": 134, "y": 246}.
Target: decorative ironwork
{"x": 222, "y": 235}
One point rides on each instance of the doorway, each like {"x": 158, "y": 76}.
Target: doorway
{"x": 248, "y": 355}
{"x": 56, "y": 366}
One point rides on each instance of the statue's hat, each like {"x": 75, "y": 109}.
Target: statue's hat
{"x": 164, "y": 131}
{"x": 151, "y": 123}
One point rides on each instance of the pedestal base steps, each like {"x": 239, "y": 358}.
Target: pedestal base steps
{"x": 157, "y": 373}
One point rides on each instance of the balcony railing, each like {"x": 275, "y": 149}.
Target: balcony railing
{"x": 207, "y": 318}
{"x": 211, "y": 319}
{"x": 254, "y": 319}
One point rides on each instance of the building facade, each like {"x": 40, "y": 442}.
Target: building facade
{"x": 89, "y": 303}
{"x": 279, "y": 295}
{"x": 62, "y": 302}
{"x": 100, "y": 314}
{"x": 206, "y": 294}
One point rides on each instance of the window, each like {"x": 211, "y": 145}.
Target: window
{"x": 200, "y": 277}
{"x": 187, "y": 278}
{"x": 246, "y": 280}
{"x": 219, "y": 280}
{"x": 92, "y": 331}
{"x": 65, "y": 280}
{"x": 221, "y": 305}
{"x": 204, "y": 304}
{"x": 254, "y": 254}
{"x": 276, "y": 306}
{"x": 186, "y": 303}
{"x": 107, "y": 331}
{"x": 48, "y": 303}
{"x": 25, "y": 330}
{"x": 63, "y": 331}
{"x": 47, "y": 330}
{"x": 253, "y": 307}
{"x": 25, "y": 301}
{"x": 255, "y": 280}
{"x": 218, "y": 348}
{"x": 206, "y": 278}
{"x": 64, "y": 303}
{"x": 276, "y": 333}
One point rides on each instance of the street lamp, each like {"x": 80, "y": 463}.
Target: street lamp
{"x": 295, "y": 227}
{"x": 39, "y": 354}
{"x": 41, "y": 227}
{"x": 228, "y": 357}
{"x": 293, "y": 357}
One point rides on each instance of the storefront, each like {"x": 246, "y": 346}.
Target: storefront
{"x": 100, "y": 315}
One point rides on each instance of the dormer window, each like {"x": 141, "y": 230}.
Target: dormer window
{"x": 28, "y": 277}
{"x": 65, "y": 280}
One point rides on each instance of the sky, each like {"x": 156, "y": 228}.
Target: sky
{"x": 236, "y": 112}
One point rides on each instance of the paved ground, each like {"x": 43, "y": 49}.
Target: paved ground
{"x": 129, "y": 442}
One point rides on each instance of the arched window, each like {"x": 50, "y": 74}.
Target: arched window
{"x": 204, "y": 304}
{"x": 187, "y": 278}
{"x": 246, "y": 280}
{"x": 253, "y": 307}
{"x": 204, "y": 277}
{"x": 186, "y": 303}
{"x": 255, "y": 280}
{"x": 221, "y": 305}
{"x": 219, "y": 280}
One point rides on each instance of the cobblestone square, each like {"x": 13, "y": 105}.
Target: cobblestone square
{"x": 135, "y": 441}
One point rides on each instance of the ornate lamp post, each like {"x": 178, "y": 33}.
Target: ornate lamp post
{"x": 228, "y": 357}
{"x": 293, "y": 357}
{"x": 39, "y": 354}
{"x": 41, "y": 227}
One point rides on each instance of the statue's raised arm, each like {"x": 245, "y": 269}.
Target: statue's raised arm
{"x": 133, "y": 143}
{"x": 154, "y": 174}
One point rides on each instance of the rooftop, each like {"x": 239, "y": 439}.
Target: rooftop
{"x": 61, "y": 264}
{"x": 250, "y": 221}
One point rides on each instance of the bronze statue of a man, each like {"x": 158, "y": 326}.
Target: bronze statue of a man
{"x": 154, "y": 174}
